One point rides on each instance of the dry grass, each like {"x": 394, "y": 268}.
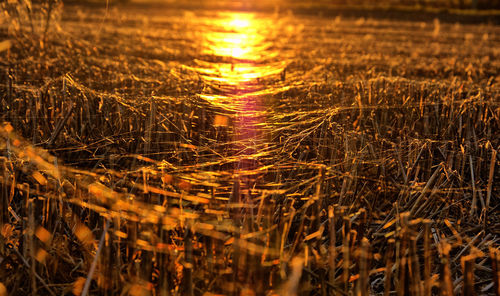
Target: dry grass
{"x": 367, "y": 165}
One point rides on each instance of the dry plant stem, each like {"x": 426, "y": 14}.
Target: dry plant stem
{"x": 446, "y": 283}
{"x": 495, "y": 262}
{"x": 490, "y": 178}
{"x": 31, "y": 233}
{"x": 427, "y": 259}
{"x": 388, "y": 267}
{"x": 468, "y": 246}
{"x": 468, "y": 263}
{"x": 60, "y": 125}
{"x": 36, "y": 274}
{"x": 90, "y": 275}
{"x": 152, "y": 115}
{"x": 474, "y": 191}
{"x": 362, "y": 287}
{"x": 425, "y": 190}
{"x": 333, "y": 241}
{"x": 292, "y": 285}
{"x": 414, "y": 267}
{"x": 346, "y": 231}
{"x": 188, "y": 270}
{"x": 402, "y": 287}
{"x": 47, "y": 20}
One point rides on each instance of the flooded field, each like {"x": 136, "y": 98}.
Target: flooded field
{"x": 240, "y": 149}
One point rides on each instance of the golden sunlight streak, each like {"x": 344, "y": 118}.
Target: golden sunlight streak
{"x": 241, "y": 41}
{"x": 240, "y": 23}
{"x": 239, "y": 37}
{"x": 238, "y": 55}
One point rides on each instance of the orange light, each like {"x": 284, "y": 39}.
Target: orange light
{"x": 239, "y": 37}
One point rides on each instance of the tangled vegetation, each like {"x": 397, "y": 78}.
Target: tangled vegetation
{"x": 316, "y": 156}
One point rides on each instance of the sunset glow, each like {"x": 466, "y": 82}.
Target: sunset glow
{"x": 238, "y": 38}
{"x": 241, "y": 41}
{"x": 249, "y": 147}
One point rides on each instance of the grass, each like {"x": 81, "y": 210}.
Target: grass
{"x": 362, "y": 160}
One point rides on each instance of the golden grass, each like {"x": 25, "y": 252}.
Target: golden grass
{"x": 359, "y": 171}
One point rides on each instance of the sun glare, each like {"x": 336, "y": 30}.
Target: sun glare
{"x": 240, "y": 23}
{"x": 238, "y": 38}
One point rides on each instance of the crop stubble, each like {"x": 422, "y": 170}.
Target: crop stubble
{"x": 370, "y": 165}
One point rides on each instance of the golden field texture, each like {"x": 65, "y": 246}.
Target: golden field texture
{"x": 159, "y": 150}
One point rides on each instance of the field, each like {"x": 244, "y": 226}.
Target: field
{"x": 166, "y": 149}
